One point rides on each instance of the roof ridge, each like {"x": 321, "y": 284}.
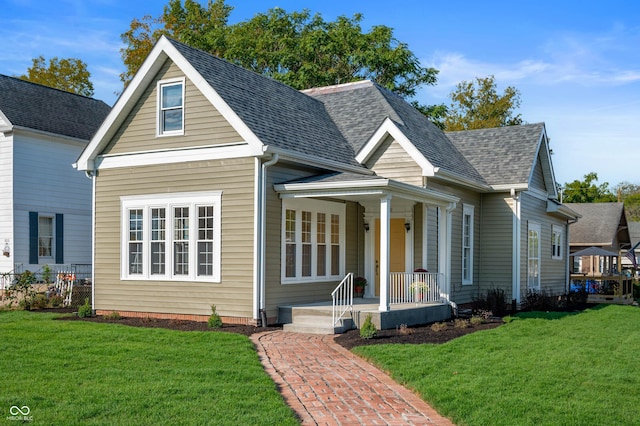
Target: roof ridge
{"x": 335, "y": 88}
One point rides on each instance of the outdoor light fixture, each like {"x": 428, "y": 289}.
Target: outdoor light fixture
{"x": 6, "y": 251}
{"x": 407, "y": 226}
{"x": 366, "y": 227}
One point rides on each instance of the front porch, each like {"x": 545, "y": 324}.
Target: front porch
{"x": 317, "y": 318}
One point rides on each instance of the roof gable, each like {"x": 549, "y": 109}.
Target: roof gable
{"x": 267, "y": 114}
{"x": 41, "y": 108}
{"x": 601, "y": 224}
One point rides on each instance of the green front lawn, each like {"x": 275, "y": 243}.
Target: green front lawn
{"x": 76, "y": 372}
{"x": 539, "y": 369}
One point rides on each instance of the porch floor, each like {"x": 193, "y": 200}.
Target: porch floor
{"x": 408, "y": 313}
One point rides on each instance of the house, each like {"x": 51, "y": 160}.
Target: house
{"x": 634, "y": 236}
{"x": 602, "y": 225}
{"x": 214, "y": 185}
{"x": 45, "y": 205}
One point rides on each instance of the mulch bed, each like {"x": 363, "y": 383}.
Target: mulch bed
{"x": 350, "y": 339}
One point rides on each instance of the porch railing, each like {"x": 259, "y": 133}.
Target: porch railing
{"x": 414, "y": 287}
{"x": 342, "y": 298}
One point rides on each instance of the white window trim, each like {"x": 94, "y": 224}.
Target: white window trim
{"x": 557, "y": 230}
{"x": 48, "y": 259}
{"x": 534, "y": 226}
{"x": 159, "y": 122}
{"x": 169, "y": 201}
{"x": 313, "y": 206}
{"x": 468, "y": 210}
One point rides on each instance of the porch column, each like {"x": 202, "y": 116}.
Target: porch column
{"x": 385, "y": 215}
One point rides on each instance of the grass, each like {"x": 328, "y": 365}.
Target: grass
{"x": 539, "y": 369}
{"x": 76, "y": 372}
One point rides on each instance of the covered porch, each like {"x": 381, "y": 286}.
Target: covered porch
{"x": 396, "y": 249}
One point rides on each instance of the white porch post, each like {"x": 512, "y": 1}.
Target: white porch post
{"x": 385, "y": 215}
{"x": 444, "y": 248}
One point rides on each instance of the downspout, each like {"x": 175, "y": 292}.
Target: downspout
{"x": 91, "y": 174}
{"x": 516, "y": 246}
{"x": 262, "y": 238}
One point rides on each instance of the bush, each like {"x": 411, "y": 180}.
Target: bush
{"x": 404, "y": 329}
{"x": 115, "y": 315}
{"x": 39, "y": 301}
{"x": 476, "y": 320}
{"x": 636, "y": 290}
{"x": 85, "y": 311}
{"x": 438, "y": 326}
{"x": 539, "y": 301}
{"x": 214, "y": 319}
{"x": 55, "y": 300}
{"x": 460, "y": 323}
{"x": 368, "y": 329}
{"x": 23, "y": 290}
{"x": 494, "y": 301}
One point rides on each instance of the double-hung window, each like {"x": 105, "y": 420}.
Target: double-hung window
{"x": 467, "y": 244}
{"x": 171, "y": 107}
{"x": 46, "y": 242}
{"x": 556, "y": 242}
{"x": 171, "y": 236}
{"x": 313, "y": 235}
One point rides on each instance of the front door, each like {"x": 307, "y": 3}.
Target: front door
{"x": 397, "y": 255}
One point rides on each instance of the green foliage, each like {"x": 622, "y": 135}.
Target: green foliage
{"x": 77, "y": 372}
{"x": 70, "y": 75}
{"x": 115, "y": 315}
{"x": 573, "y": 368}
{"x": 477, "y": 105}
{"x": 587, "y": 191}
{"x": 22, "y": 291}
{"x": 368, "y": 329}
{"x": 85, "y": 311}
{"x": 629, "y": 194}
{"x": 476, "y": 320}
{"x": 214, "y": 320}
{"x": 46, "y": 274}
{"x": 55, "y": 300}
{"x": 40, "y": 301}
{"x": 297, "y": 48}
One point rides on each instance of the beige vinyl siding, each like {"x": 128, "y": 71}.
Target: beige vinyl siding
{"x": 553, "y": 272}
{"x": 392, "y": 161}
{"x": 462, "y": 293}
{"x": 284, "y": 294}
{"x": 203, "y": 124}
{"x": 537, "y": 178}
{"x": 233, "y": 296}
{"x": 496, "y": 244}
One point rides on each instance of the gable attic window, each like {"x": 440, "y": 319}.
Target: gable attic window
{"x": 313, "y": 241}
{"x": 171, "y": 236}
{"x": 171, "y": 107}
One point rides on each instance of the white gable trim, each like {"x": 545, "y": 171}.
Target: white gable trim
{"x": 5, "y": 124}
{"x": 162, "y": 51}
{"x": 388, "y": 127}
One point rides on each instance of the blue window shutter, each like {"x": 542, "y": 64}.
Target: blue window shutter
{"x": 33, "y": 238}
{"x": 59, "y": 238}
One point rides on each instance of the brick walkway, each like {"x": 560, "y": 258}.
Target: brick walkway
{"x": 325, "y": 384}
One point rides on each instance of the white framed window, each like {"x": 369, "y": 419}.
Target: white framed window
{"x": 171, "y": 236}
{"x": 45, "y": 237}
{"x": 557, "y": 238}
{"x": 533, "y": 255}
{"x": 467, "y": 244}
{"x": 171, "y": 107}
{"x": 313, "y": 240}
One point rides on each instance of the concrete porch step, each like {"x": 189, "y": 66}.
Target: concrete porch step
{"x": 316, "y": 324}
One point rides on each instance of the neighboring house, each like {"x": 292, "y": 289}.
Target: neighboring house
{"x": 602, "y": 225}
{"x": 214, "y": 185}
{"x": 45, "y": 205}
{"x": 634, "y": 235}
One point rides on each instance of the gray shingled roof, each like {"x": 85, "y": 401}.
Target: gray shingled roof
{"x": 503, "y": 155}
{"x": 42, "y": 108}
{"x": 359, "y": 109}
{"x": 598, "y": 225}
{"x": 634, "y": 232}
{"x": 276, "y": 113}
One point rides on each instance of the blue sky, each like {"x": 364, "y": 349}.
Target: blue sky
{"x": 576, "y": 63}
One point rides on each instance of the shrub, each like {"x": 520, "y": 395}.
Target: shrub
{"x": 476, "y": 320}
{"x": 46, "y": 274}
{"x": 636, "y": 290}
{"x": 214, "y": 319}
{"x": 539, "y": 301}
{"x": 438, "y": 326}
{"x": 115, "y": 315}
{"x": 39, "y": 301}
{"x": 84, "y": 311}
{"x": 494, "y": 301}
{"x": 404, "y": 329}
{"x": 23, "y": 290}
{"x": 368, "y": 329}
{"x": 460, "y": 323}
{"x": 55, "y": 300}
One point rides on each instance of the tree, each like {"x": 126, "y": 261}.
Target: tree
{"x": 299, "y": 49}
{"x": 587, "y": 191}
{"x": 629, "y": 193}
{"x": 70, "y": 75}
{"x": 477, "y": 105}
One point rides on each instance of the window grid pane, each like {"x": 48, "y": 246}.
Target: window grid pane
{"x": 321, "y": 239}
{"x": 205, "y": 240}
{"x": 171, "y": 107}
{"x": 306, "y": 243}
{"x": 45, "y": 236}
{"x": 335, "y": 244}
{"x": 181, "y": 241}
{"x": 135, "y": 241}
{"x": 290, "y": 236}
{"x": 158, "y": 255}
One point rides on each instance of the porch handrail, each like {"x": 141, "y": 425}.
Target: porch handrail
{"x": 414, "y": 287}
{"x": 342, "y": 297}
